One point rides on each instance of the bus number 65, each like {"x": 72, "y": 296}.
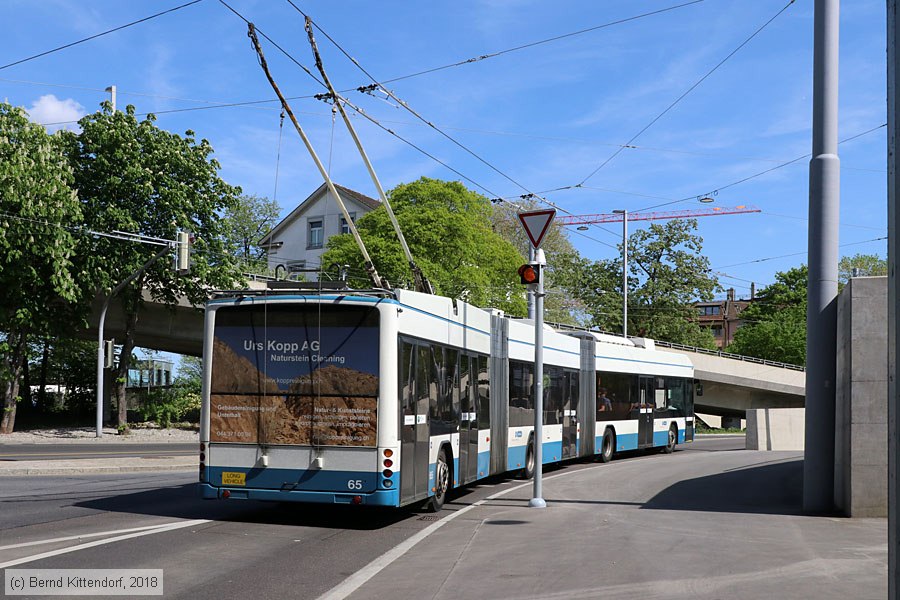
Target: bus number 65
{"x": 355, "y": 484}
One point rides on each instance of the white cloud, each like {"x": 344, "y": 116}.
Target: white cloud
{"x": 56, "y": 114}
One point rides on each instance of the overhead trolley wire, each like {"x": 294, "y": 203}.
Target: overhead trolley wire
{"x": 95, "y": 36}
{"x": 688, "y": 91}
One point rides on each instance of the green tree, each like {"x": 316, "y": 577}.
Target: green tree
{"x": 245, "y": 222}
{"x": 448, "y": 230}
{"x": 670, "y": 273}
{"x": 36, "y": 270}
{"x": 133, "y": 176}
{"x": 774, "y": 325}
{"x": 864, "y": 265}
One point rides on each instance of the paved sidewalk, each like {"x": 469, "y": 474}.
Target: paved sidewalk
{"x": 107, "y": 464}
{"x": 658, "y": 531}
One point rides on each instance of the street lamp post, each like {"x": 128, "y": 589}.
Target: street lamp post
{"x": 624, "y": 214}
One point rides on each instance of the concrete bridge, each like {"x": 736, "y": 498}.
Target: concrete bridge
{"x": 730, "y": 384}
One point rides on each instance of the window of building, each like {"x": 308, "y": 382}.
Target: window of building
{"x": 345, "y": 228}
{"x": 717, "y": 330}
{"x": 708, "y": 310}
{"x": 316, "y": 235}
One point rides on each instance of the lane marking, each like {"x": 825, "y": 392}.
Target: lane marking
{"x": 78, "y": 537}
{"x": 163, "y": 528}
{"x": 355, "y": 581}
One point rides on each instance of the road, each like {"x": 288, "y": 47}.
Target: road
{"x": 74, "y": 451}
{"x": 238, "y": 549}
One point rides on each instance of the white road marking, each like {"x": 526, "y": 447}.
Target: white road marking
{"x": 161, "y": 529}
{"x": 78, "y": 537}
{"x": 352, "y": 583}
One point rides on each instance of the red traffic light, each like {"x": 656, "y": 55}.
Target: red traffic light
{"x": 530, "y": 274}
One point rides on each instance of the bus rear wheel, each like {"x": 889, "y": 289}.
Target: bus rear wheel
{"x": 442, "y": 479}
{"x": 608, "y": 446}
{"x": 528, "y": 471}
{"x": 672, "y": 441}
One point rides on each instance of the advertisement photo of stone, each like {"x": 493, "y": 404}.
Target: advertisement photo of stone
{"x": 296, "y": 378}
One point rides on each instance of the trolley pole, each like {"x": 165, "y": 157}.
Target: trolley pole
{"x": 538, "y": 500}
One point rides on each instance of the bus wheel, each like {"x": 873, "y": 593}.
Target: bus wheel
{"x": 441, "y": 482}
{"x": 528, "y": 471}
{"x": 609, "y": 445}
{"x": 673, "y": 439}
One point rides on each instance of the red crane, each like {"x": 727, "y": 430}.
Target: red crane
{"x": 655, "y": 216}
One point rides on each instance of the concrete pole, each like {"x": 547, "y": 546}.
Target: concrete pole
{"x": 893, "y": 110}
{"x": 538, "y": 500}
{"x": 821, "y": 314}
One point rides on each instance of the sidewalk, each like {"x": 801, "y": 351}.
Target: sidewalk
{"x": 641, "y": 529}
{"x": 106, "y": 464}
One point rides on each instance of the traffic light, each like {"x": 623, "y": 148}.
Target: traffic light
{"x": 530, "y": 274}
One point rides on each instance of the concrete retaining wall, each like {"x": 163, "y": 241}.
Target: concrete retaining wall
{"x": 860, "y": 469}
{"x": 775, "y": 428}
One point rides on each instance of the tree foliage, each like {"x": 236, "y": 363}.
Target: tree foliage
{"x": 775, "y": 323}
{"x": 37, "y": 272}
{"x": 863, "y": 265}
{"x": 133, "y": 176}
{"x": 448, "y": 230}
{"x": 245, "y": 222}
{"x": 667, "y": 274}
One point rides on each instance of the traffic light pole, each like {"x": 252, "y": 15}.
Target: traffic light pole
{"x": 538, "y": 500}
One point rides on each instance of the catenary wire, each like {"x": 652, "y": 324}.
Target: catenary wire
{"x": 688, "y": 91}
{"x": 95, "y": 36}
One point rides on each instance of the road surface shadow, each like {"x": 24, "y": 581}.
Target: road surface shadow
{"x": 183, "y": 502}
{"x": 772, "y": 489}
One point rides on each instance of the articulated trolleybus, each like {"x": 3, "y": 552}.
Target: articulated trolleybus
{"x": 392, "y": 398}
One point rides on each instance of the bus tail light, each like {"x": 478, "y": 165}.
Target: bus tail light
{"x": 226, "y": 495}
{"x": 388, "y": 463}
{"x": 387, "y": 473}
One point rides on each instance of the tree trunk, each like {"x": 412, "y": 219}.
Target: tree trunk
{"x": 12, "y": 367}
{"x": 43, "y": 404}
{"x": 122, "y": 369}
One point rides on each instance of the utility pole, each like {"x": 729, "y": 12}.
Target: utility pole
{"x": 893, "y": 400}
{"x": 112, "y": 96}
{"x": 624, "y": 214}
{"x": 821, "y": 313}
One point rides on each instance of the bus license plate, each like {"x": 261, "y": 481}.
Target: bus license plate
{"x": 231, "y": 478}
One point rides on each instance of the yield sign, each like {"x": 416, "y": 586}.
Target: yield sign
{"x": 536, "y": 223}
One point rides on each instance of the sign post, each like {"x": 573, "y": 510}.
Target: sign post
{"x": 536, "y": 224}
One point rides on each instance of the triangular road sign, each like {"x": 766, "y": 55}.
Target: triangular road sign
{"x": 536, "y": 223}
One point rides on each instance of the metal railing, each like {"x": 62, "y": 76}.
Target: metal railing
{"x": 752, "y": 359}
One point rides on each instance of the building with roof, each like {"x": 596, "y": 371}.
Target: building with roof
{"x": 296, "y": 244}
{"x": 722, "y": 317}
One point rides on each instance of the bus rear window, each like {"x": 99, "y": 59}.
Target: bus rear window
{"x": 295, "y": 375}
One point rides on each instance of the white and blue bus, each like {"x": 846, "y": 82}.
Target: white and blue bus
{"x": 393, "y": 398}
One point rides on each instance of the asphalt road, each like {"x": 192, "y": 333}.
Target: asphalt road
{"x": 74, "y": 451}
{"x": 234, "y": 549}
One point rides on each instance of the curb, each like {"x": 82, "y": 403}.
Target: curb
{"x": 32, "y": 468}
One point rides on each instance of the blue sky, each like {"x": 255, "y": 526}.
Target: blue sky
{"x": 545, "y": 116}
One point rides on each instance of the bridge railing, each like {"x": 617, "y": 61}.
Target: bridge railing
{"x": 752, "y": 359}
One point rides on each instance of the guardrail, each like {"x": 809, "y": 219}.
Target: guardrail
{"x": 760, "y": 361}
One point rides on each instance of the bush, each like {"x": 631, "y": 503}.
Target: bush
{"x": 165, "y": 406}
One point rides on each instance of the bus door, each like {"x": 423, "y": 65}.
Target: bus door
{"x": 646, "y": 390}
{"x": 466, "y": 416}
{"x": 414, "y": 436}
{"x": 570, "y": 420}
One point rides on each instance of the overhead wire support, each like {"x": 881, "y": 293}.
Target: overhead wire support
{"x": 421, "y": 282}
{"x": 369, "y": 265}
